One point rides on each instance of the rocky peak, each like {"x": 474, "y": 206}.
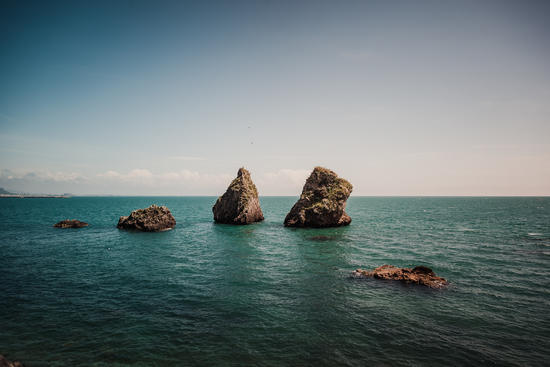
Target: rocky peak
{"x": 242, "y": 171}
{"x": 322, "y": 201}
{"x": 240, "y": 203}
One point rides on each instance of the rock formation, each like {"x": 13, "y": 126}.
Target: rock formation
{"x": 70, "y": 223}
{"x": 152, "y": 219}
{"x": 6, "y": 363}
{"x": 419, "y": 275}
{"x": 240, "y": 203}
{"x": 322, "y": 202}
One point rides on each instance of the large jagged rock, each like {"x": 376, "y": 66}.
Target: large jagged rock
{"x": 421, "y": 275}
{"x": 240, "y": 203}
{"x": 152, "y": 219}
{"x": 70, "y": 223}
{"x": 7, "y": 363}
{"x": 322, "y": 202}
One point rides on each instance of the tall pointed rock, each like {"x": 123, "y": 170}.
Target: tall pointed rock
{"x": 322, "y": 202}
{"x": 240, "y": 203}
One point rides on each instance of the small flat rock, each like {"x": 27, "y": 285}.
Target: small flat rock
{"x": 152, "y": 219}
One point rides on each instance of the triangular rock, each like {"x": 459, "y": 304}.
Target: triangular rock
{"x": 240, "y": 203}
{"x": 322, "y": 202}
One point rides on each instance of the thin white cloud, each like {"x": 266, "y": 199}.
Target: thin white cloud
{"x": 137, "y": 173}
{"x": 144, "y": 176}
{"x": 41, "y": 175}
{"x": 186, "y": 158}
{"x": 285, "y": 181}
{"x": 138, "y": 181}
{"x": 110, "y": 174}
{"x": 144, "y": 181}
{"x": 292, "y": 176}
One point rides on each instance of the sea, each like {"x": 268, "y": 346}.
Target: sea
{"x": 207, "y": 294}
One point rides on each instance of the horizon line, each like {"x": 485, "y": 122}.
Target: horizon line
{"x": 370, "y": 196}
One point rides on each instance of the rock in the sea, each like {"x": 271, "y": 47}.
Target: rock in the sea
{"x": 419, "y": 275}
{"x": 240, "y": 203}
{"x": 70, "y": 223}
{"x": 6, "y": 363}
{"x": 152, "y": 219}
{"x": 322, "y": 202}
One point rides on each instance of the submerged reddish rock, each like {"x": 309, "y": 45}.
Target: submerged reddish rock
{"x": 7, "y": 363}
{"x": 70, "y": 223}
{"x": 418, "y": 275}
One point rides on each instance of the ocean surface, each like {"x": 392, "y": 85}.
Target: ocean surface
{"x": 209, "y": 294}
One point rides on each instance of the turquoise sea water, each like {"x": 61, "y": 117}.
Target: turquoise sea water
{"x": 209, "y": 294}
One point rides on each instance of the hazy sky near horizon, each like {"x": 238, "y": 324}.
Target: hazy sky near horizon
{"x": 171, "y": 98}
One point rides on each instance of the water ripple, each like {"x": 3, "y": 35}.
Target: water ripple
{"x": 210, "y": 294}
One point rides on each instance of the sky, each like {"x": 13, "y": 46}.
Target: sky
{"x": 171, "y": 98}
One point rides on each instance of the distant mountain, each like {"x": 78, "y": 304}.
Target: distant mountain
{"x": 4, "y": 192}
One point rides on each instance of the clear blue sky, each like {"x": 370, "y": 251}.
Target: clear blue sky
{"x": 400, "y": 97}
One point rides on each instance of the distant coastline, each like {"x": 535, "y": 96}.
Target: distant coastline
{"x": 6, "y": 194}
{"x": 33, "y": 196}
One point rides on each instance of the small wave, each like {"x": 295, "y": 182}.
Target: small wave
{"x": 323, "y": 238}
